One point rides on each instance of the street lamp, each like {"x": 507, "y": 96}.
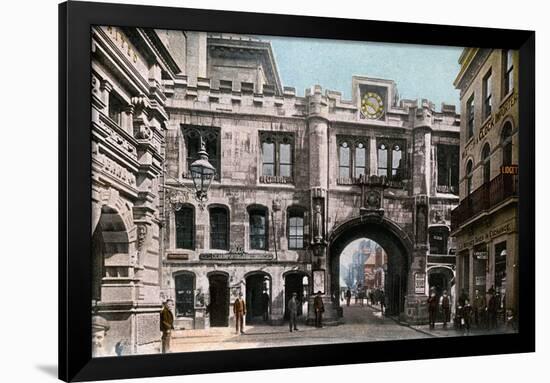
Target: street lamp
{"x": 202, "y": 173}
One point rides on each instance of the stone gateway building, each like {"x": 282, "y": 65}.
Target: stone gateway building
{"x": 297, "y": 179}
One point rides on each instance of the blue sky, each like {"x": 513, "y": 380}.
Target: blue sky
{"x": 419, "y": 71}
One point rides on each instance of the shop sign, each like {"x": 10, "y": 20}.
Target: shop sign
{"x": 509, "y": 169}
{"x": 480, "y": 255}
{"x": 420, "y": 283}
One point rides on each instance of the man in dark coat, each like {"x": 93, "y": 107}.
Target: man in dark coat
{"x": 319, "y": 308}
{"x": 478, "y": 308}
{"x": 166, "y": 325}
{"x": 492, "y": 308}
{"x": 446, "y": 308}
{"x": 432, "y": 308}
{"x": 292, "y": 308}
{"x": 265, "y": 305}
{"x": 382, "y": 302}
{"x": 239, "y": 309}
{"x": 348, "y": 296}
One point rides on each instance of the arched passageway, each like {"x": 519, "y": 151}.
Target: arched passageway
{"x": 395, "y": 244}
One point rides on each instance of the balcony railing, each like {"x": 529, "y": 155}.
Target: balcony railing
{"x": 486, "y": 197}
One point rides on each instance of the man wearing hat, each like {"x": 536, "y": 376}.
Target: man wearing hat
{"x": 166, "y": 325}
{"x": 319, "y": 308}
{"x": 292, "y": 308}
{"x": 239, "y": 309}
{"x": 99, "y": 331}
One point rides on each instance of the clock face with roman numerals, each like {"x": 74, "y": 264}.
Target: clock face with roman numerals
{"x": 372, "y": 106}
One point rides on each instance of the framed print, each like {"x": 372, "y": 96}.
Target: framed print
{"x": 234, "y": 181}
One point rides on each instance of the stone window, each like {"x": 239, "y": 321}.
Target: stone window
{"x": 296, "y": 222}
{"x": 185, "y": 227}
{"x": 447, "y": 169}
{"x": 352, "y": 159}
{"x": 487, "y": 95}
{"x": 469, "y": 177}
{"x": 470, "y": 107}
{"x": 211, "y": 136}
{"x": 391, "y": 159}
{"x": 219, "y": 228}
{"x": 506, "y": 139}
{"x": 115, "y": 108}
{"x": 185, "y": 298}
{"x": 277, "y": 153}
{"x": 258, "y": 228}
{"x": 508, "y": 67}
{"x": 486, "y": 158}
{"x": 438, "y": 236}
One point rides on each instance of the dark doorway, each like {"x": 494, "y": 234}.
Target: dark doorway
{"x": 258, "y": 297}
{"x": 185, "y": 285}
{"x": 219, "y": 300}
{"x": 439, "y": 280}
{"x": 294, "y": 283}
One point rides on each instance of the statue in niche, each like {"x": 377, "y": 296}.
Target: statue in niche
{"x": 317, "y": 224}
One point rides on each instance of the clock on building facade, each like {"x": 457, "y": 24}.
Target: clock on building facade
{"x": 372, "y": 106}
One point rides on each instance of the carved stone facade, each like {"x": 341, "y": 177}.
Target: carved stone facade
{"x": 128, "y": 133}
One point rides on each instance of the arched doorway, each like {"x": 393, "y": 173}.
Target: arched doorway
{"x": 185, "y": 299}
{"x": 258, "y": 296}
{"x": 296, "y": 282}
{"x": 218, "y": 307}
{"x": 110, "y": 246}
{"x": 396, "y": 245}
{"x": 440, "y": 279}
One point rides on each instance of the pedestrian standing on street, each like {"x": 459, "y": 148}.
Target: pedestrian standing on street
{"x": 432, "y": 309}
{"x": 446, "y": 308}
{"x": 319, "y": 308}
{"x": 348, "y": 296}
{"x": 166, "y": 325}
{"x": 239, "y": 309}
{"x": 467, "y": 314}
{"x": 265, "y": 305}
{"x": 292, "y": 308}
{"x": 492, "y": 308}
{"x": 462, "y": 298}
{"x": 478, "y": 308}
{"x": 382, "y": 302}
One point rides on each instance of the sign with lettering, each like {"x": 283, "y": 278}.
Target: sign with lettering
{"x": 509, "y": 169}
{"x": 420, "y": 283}
{"x": 495, "y": 118}
{"x": 240, "y": 256}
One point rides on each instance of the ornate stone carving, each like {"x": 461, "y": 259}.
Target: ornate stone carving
{"x": 177, "y": 198}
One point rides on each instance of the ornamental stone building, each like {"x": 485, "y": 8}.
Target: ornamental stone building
{"x": 297, "y": 179}
{"x": 128, "y": 124}
{"x": 485, "y": 222}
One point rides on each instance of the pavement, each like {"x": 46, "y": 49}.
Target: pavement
{"x": 361, "y": 324}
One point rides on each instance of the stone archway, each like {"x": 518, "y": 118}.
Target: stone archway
{"x": 110, "y": 251}
{"x": 392, "y": 239}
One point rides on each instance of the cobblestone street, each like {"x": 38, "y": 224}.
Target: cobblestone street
{"x": 362, "y": 324}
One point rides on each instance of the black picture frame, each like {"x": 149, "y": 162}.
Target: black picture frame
{"x": 75, "y": 21}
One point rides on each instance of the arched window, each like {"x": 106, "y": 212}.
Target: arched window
{"x": 396, "y": 168}
{"x": 469, "y": 176}
{"x": 506, "y": 139}
{"x": 486, "y": 158}
{"x": 382, "y": 160}
{"x": 219, "y": 228}
{"x": 296, "y": 222}
{"x": 259, "y": 233}
{"x": 360, "y": 163}
{"x": 185, "y": 227}
{"x": 344, "y": 160}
